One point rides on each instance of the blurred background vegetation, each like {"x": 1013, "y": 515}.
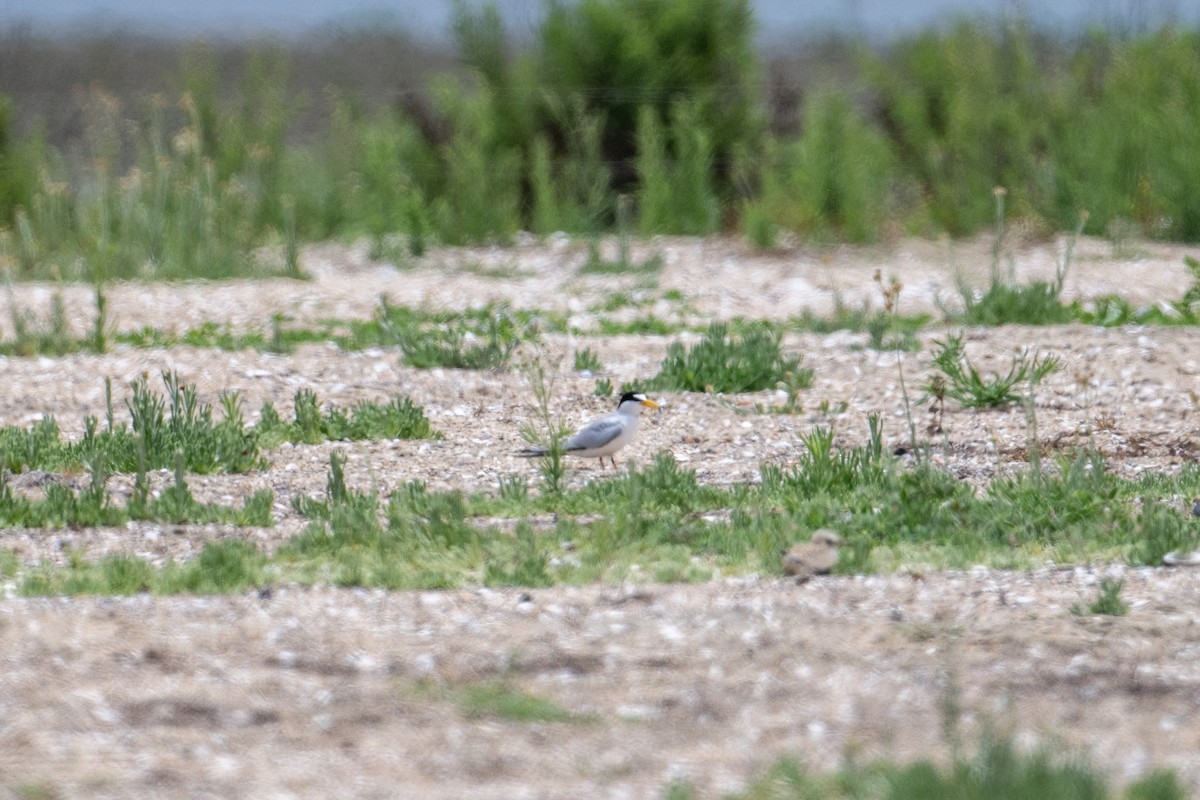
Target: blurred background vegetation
{"x": 124, "y": 155}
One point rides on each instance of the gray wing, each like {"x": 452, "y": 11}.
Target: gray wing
{"x": 597, "y": 433}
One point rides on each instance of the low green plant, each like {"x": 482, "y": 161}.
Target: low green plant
{"x": 549, "y": 431}
{"x": 730, "y": 363}
{"x": 996, "y": 768}
{"x": 64, "y": 506}
{"x": 34, "y": 335}
{"x": 498, "y": 699}
{"x": 229, "y": 565}
{"x": 604, "y": 388}
{"x": 494, "y": 699}
{"x": 963, "y": 383}
{"x": 398, "y": 419}
{"x": 649, "y": 325}
{"x": 1007, "y": 302}
{"x": 587, "y": 361}
{"x": 223, "y": 567}
{"x": 163, "y": 426}
{"x": 597, "y": 264}
{"x": 1161, "y": 530}
{"x": 525, "y": 565}
{"x": 463, "y": 345}
{"x": 1033, "y": 303}
{"x": 1108, "y": 600}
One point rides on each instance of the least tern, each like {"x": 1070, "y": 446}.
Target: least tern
{"x": 812, "y": 558}
{"x": 606, "y": 435}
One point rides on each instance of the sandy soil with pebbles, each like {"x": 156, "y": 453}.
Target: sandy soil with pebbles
{"x": 310, "y": 693}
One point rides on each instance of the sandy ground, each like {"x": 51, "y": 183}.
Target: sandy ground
{"x": 309, "y": 693}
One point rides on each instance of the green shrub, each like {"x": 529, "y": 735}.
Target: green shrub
{"x": 625, "y": 56}
{"x": 832, "y": 182}
{"x": 967, "y": 110}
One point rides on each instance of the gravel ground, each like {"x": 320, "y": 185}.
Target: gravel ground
{"x": 309, "y": 693}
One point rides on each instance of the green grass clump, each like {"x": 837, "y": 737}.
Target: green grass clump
{"x": 720, "y": 362}
{"x": 1108, "y": 600}
{"x": 1033, "y": 303}
{"x": 587, "y": 361}
{"x": 479, "y": 339}
{"x": 886, "y": 331}
{"x": 499, "y": 700}
{"x": 961, "y": 381}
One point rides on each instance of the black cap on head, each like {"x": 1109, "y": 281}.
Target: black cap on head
{"x": 633, "y": 397}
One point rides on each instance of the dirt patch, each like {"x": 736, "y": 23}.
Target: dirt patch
{"x": 308, "y": 692}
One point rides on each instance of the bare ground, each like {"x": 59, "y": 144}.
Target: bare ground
{"x": 311, "y": 693}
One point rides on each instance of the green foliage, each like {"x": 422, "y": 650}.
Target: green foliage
{"x": 18, "y": 161}
{"x": 660, "y": 100}
{"x": 548, "y": 432}
{"x": 1033, "y": 303}
{"x": 1160, "y": 530}
{"x": 399, "y": 419}
{"x": 657, "y": 521}
{"x": 63, "y": 506}
{"x": 1108, "y": 601}
{"x": 208, "y": 446}
{"x": 571, "y": 191}
{"x": 625, "y": 59}
{"x": 996, "y": 769}
{"x": 498, "y": 699}
{"x": 484, "y": 339}
{"x": 831, "y": 183}
{"x": 968, "y": 109}
{"x": 674, "y": 167}
{"x": 480, "y": 198}
{"x": 525, "y": 565}
{"x": 164, "y": 427}
{"x": 161, "y": 426}
{"x": 729, "y": 363}
{"x": 587, "y": 361}
{"x": 224, "y": 566}
{"x": 961, "y": 381}
{"x": 504, "y": 702}
{"x": 1128, "y": 150}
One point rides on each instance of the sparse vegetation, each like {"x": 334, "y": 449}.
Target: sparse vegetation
{"x": 997, "y": 768}
{"x": 162, "y": 428}
{"x": 675, "y": 528}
